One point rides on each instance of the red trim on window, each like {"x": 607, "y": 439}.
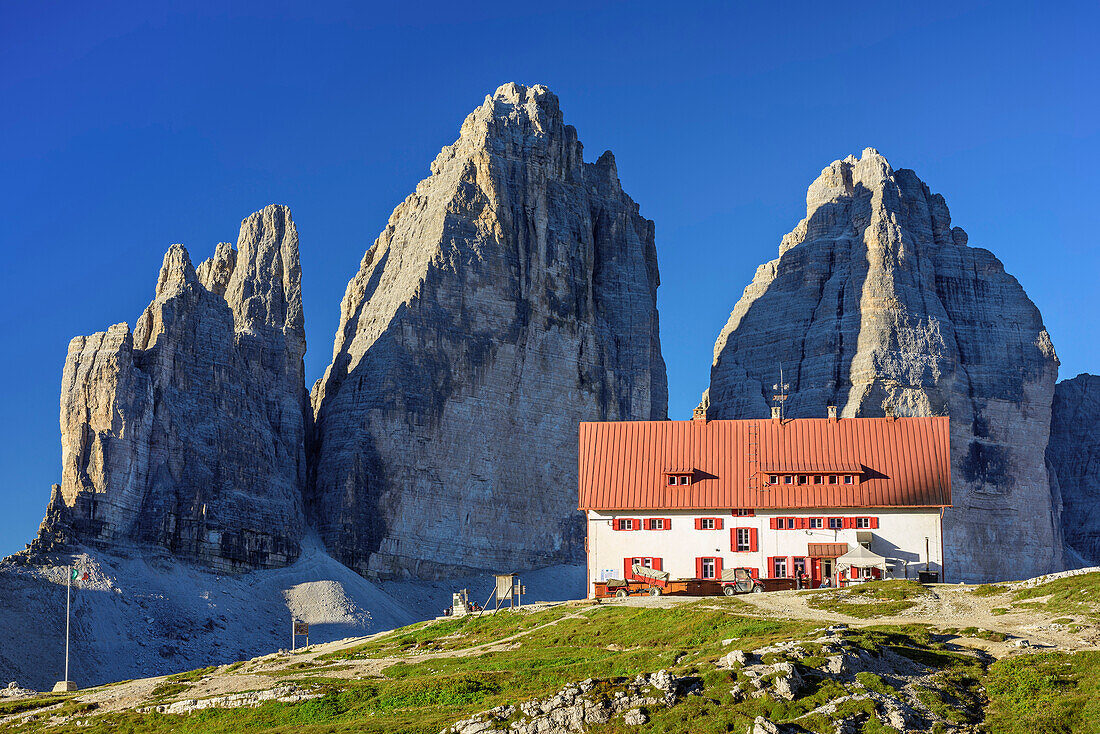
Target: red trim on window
{"x": 698, "y": 523}
{"x": 718, "y": 568}
{"x": 753, "y": 542}
{"x": 774, "y": 523}
{"x": 874, "y": 522}
{"x": 698, "y": 568}
{"x": 754, "y": 572}
{"x": 718, "y": 523}
{"x": 658, "y": 564}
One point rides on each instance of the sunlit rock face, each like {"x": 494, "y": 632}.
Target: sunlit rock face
{"x": 510, "y": 297}
{"x": 189, "y": 431}
{"x": 1074, "y": 455}
{"x": 876, "y": 301}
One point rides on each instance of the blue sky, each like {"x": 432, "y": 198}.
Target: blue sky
{"x": 128, "y": 127}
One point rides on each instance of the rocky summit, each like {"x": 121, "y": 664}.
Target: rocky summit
{"x": 1074, "y": 455}
{"x": 877, "y": 302}
{"x": 189, "y": 431}
{"x": 512, "y": 295}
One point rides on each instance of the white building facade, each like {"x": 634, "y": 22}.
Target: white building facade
{"x": 784, "y": 499}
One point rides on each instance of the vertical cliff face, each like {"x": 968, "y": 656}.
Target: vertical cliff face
{"x": 512, "y": 295}
{"x": 1074, "y": 455}
{"x": 189, "y": 432}
{"x": 875, "y": 301}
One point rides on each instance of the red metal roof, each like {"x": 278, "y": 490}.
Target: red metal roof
{"x": 902, "y": 462}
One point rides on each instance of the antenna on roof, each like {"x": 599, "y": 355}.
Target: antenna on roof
{"x": 780, "y": 393}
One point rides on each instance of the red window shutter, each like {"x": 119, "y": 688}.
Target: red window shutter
{"x": 790, "y": 567}
{"x": 718, "y": 525}
{"x": 803, "y": 522}
{"x": 637, "y": 525}
{"x": 628, "y": 572}
{"x": 753, "y": 543}
{"x": 668, "y": 523}
{"x": 754, "y": 572}
{"x": 698, "y": 567}
{"x": 874, "y": 522}
{"x": 733, "y": 539}
{"x": 718, "y": 568}
{"x": 698, "y": 523}
{"x": 617, "y": 524}
{"x": 657, "y": 564}
{"x": 848, "y": 522}
{"x": 770, "y": 568}
{"x": 775, "y": 523}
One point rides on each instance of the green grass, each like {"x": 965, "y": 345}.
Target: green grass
{"x": 1044, "y": 692}
{"x": 193, "y": 676}
{"x": 990, "y": 590}
{"x": 868, "y": 600}
{"x": 168, "y": 689}
{"x": 609, "y": 643}
{"x": 22, "y": 705}
{"x": 428, "y": 695}
{"x": 1072, "y": 595}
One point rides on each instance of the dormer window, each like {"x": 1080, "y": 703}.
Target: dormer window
{"x": 679, "y": 479}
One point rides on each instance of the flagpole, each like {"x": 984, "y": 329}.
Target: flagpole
{"x": 68, "y": 587}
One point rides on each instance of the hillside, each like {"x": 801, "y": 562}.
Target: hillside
{"x": 888, "y": 656}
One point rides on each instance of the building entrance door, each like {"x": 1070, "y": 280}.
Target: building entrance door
{"x": 827, "y": 570}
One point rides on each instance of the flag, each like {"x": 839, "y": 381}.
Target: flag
{"x": 79, "y": 575}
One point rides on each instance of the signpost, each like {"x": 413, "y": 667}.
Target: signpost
{"x": 298, "y": 629}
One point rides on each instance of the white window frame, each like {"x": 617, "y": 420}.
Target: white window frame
{"x": 839, "y": 525}
{"x": 863, "y": 523}
{"x": 713, "y": 568}
{"x": 779, "y": 567}
{"x": 816, "y": 523}
{"x": 745, "y": 545}
{"x": 656, "y": 523}
{"x": 706, "y": 523}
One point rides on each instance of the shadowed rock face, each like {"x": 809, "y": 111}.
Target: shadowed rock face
{"x": 512, "y": 295}
{"x": 875, "y": 301}
{"x": 189, "y": 432}
{"x": 1074, "y": 455}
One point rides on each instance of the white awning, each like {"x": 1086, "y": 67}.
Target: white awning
{"x": 860, "y": 557}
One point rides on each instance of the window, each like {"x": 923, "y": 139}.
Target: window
{"x": 779, "y": 568}
{"x": 744, "y": 542}
{"x": 708, "y": 568}
{"x": 818, "y": 479}
{"x": 788, "y": 479}
{"x": 790, "y": 523}
{"x": 679, "y": 479}
{"x": 746, "y": 513}
{"x": 706, "y": 523}
{"x": 657, "y": 523}
{"x": 626, "y": 524}
{"x": 630, "y": 563}
{"x": 836, "y": 523}
{"x": 685, "y": 479}
{"x": 832, "y": 479}
{"x": 773, "y": 479}
{"x": 801, "y": 478}
{"x": 849, "y": 479}
{"x": 816, "y": 522}
{"x": 863, "y": 522}
{"x": 671, "y": 480}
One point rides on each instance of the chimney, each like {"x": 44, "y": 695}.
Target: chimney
{"x": 832, "y": 414}
{"x": 775, "y": 412}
